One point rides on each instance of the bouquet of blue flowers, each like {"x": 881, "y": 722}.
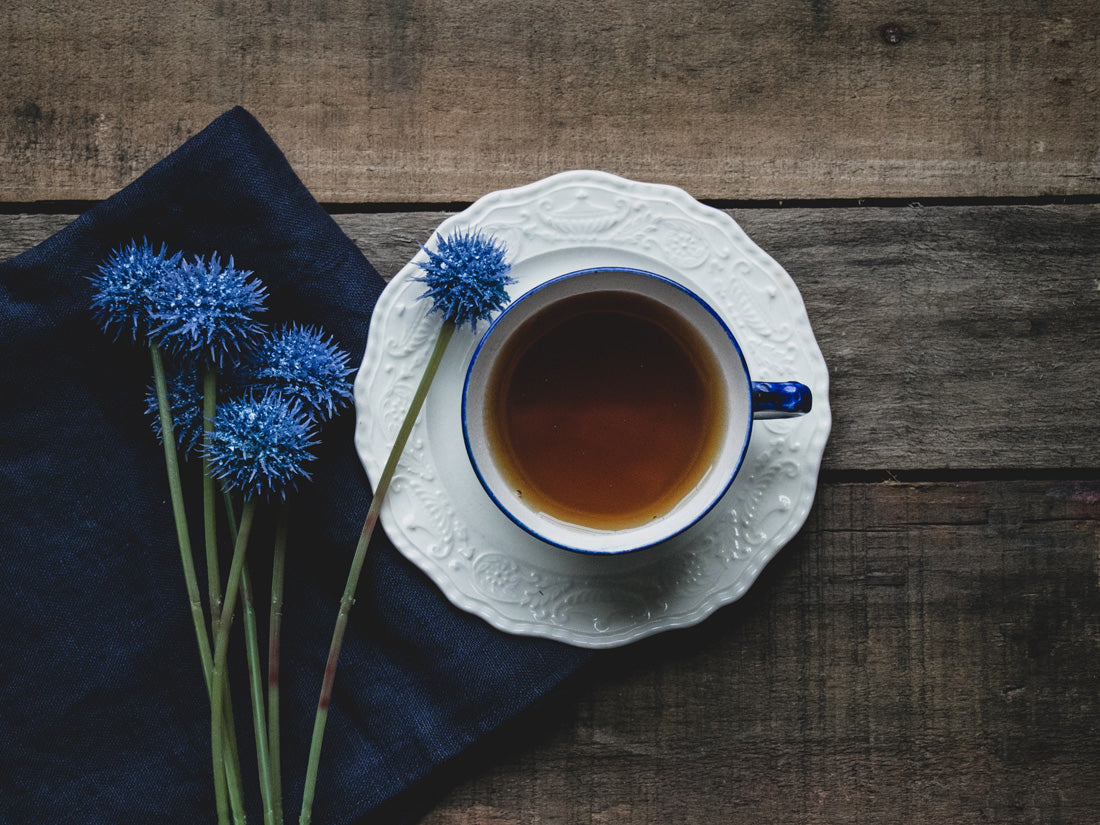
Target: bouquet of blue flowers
{"x": 249, "y": 402}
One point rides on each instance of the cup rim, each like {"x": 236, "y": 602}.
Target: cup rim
{"x": 620, "y": 548}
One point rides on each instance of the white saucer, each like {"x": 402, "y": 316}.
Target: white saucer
{"x": 438, "y": 515}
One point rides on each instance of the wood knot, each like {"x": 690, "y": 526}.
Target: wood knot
{"x": 891, "y": 34}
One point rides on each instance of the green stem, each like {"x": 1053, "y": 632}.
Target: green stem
{"x": 230, "y": 515}
{"x": 275, "y": 625}
{"x": 213, "y": 576}
{"x": 255, "y": 680}
{"x": 369, "y": 523}
{"x": 233, "y": 764}
{"x": 221, "y": 647}
{"x": 175, "y": 489}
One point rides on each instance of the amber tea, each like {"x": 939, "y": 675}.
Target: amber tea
{"x": 607, "y": 408}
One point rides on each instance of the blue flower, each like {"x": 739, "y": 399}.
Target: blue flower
{"x": 121, "y": 297}
{"x": 300, "y": 363}
{"x": 203, "y": 310}
{"x": 185, "y": 404}
{"x": 466, "y": 277}
{"x": 260, "y": 445}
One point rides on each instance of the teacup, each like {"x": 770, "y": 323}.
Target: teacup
{"x": 610, "y": 409}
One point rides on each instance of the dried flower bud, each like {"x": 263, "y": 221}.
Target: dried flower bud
{"x": 121, "y": 287}
{"x": 260, "y": 446}
{"x": 185, "y": 404}
{"x": 204, "y": 311}
{"x": 466, "y": 277}
{"x": 300, "y": 363}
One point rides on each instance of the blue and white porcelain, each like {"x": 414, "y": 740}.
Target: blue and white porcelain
{"x": 438, "y": 514}
{"x": 742, "y": 399}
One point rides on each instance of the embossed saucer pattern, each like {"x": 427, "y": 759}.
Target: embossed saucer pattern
{"x": 438, "y": 515}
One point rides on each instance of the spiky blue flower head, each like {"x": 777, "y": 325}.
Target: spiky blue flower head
{"x": 300, "y": 362}
{"x": 466, "y": 276}
{"x": 121, "y": 286}
{"x": 185, "y": 404}
{"x": 203, "y": 310}
{"x": 260, "y": 445}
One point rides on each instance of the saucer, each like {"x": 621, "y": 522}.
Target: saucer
{"x": 438, "y": 515}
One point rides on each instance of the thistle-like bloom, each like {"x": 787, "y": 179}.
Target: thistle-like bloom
{"x": 204, "y": 311}
{"x": 122, "y": 284}
{"x": 260, "y": 446}
{"x": 466, "y": 277}
{"x": 301, "y": 363}
{"x": 185, "y": 403}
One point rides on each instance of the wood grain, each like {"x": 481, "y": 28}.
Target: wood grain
{"x": 431, "y": 101}
{"x": 919, "y": 654}
{"x": 956, "y": 337}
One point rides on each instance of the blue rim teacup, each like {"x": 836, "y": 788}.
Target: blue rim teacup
{"x": 734, "y": 401}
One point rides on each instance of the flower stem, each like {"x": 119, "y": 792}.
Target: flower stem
{"x": 213, "y": 575}
{"x": 369, "y": 523}
{"x": 213, "y": 581}
{"x": 175, "y": 488}
{"x": 255, "y": 680}
{"x": 233, "y": 764}
{"x": 221, "y": 647}
{"x": 275, "y": 624}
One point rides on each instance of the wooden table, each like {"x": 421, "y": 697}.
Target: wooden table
{"x": 928, "y": 648}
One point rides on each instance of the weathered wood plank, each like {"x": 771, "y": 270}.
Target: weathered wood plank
{"x": 920, "y": 653}
{"x": 439, "y": 101}
{"x": 956, "y": 337}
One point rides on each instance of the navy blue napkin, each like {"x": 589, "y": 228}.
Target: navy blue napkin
{"x": 103, "y": 714}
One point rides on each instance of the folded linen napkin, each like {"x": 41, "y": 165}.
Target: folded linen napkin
{"x": 103, "y": 713}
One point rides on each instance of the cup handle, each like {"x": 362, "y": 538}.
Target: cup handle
{"x": 780, "y": 399}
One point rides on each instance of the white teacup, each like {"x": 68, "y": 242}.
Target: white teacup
{"x": 608, "y": 409}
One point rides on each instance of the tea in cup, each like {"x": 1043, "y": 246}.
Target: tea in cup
{"x": 607, "y": 410}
